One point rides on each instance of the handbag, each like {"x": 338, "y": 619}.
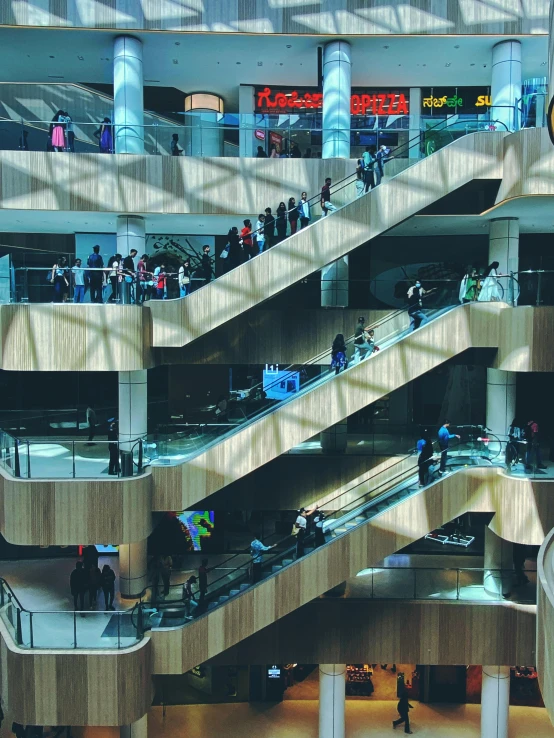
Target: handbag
{"x": 185, "y": 280}
{"x": 225, "y": 253}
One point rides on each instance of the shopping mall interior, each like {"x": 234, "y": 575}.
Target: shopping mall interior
{"x": 276, "y": 329}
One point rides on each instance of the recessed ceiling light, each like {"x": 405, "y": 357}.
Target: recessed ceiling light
{"x": 448, "y": 64}
{"x": 260, "y": 64}
{"x": 239, "y": 62}
{"x": 386, "y": 47}
{"x": 280, "y": 64}
{"x": 81, "y": 58}
{"x": 175, "y": 61}
{"x": 472, "y": 64}
{"x": 289, "y": 46}
{"x": 56, "y": 76}
{"x": 151, "y": 80}
{"x": 52, "y": 57}
{"x": 457, "y": 46}
{"x": 543, "y": 64}
{"x": 177, "y": 43}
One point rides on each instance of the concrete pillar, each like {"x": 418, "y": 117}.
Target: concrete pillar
{"x": 506, "y": 82}
{"x": 131, "y": 234}
{"x": 332, "y": 699}
{"x": 414, "y": 151}
{"x": 334, "y": 439}
{"x": 495, "y": 701}
{"x": 128, "y": 95}
{"x": 133, "y": 397}
{"x": 501, "y": 401}
{"x": 203, "y": 132}
{"x": 499, "y": 564}
{"x": 337, "y": 68}
{"x": 334, "y": 284}
{"x": 248, "y": 144}
{"x": 504, "y": 248}
{"x": 138, "y": 729}
{"x": 133, "y": 568}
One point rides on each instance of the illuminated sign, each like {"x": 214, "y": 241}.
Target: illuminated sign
{"x": 259, "y": 134}
{"x": 451, "y": 100}
{"x": 362, "y": 102}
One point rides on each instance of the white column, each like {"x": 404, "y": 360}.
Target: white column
{"x": 495, "y": 701}
{"x": 133, "y": 396}
{"x": 499, "y": 564}
{"x": 506, "y": 82}
{"x": 248, "y": 144}
{"x": 501, "y": 401}
{"x": 414, "y": 151}
{"x": 504, "y": 248}
{"x": 128, "y": 95}
{"x": 133, "y": 568}
{"x": 138, "y": 729}
{"x": 337, "y": 68}
{"x": 131, "y": 234}
{"x": 332, "y": 698}
{"x": 203, "y": 132}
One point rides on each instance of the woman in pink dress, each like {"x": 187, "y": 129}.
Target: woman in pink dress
{"x": 58, "y": 137}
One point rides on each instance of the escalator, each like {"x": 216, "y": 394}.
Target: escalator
{"x": 477, "y": 156}
{"x": 314, "y": 399}
{"x": 364, "y": 523}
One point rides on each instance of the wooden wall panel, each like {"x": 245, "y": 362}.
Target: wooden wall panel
{"x": 480, "y": 490}
{"x": 545, "y": 622}
{"x": 70, "y": 337}
{"x": 340, "y": 17}
{"x": 60, "y": 512}
{"x": 79, "y": 687}
{"x": 354, "y": 631}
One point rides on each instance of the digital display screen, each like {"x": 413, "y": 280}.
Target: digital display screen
{"x": 199, "y": 524}
{"x": 274, "y": 673}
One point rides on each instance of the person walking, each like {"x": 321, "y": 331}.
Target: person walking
{"x": 425, "y": 448}
{"x": 91, "y": 422}
{"x": 188, "y": 597}
{"x": 165, "y": 565}
{"x": 107, "y": 582}
{"x": 260, "y": 153}
{"x": 533, "y": 446}
{"x": 160, "y": 277}
{"x": 142, "y": 279}
{"x": 445, "y": 437}
{"x": 304, "y": 210}
{"x": 59, "y": 279}
{"x": 114, "y": 262}
{"x": 281, "y": 222}
{"x": 78, "y": 585}
{"x": 78, "y": 279}
{"x": 113, "y": 447}
{"x": 203, "y": 571}
{"x": 269, "y": 228}
{"x": 416, "y": 293}
{"x": 362, "y": 346}
{"x": 293, "y": 215}
{"x": 128, "y": 276}
{"x": 326, "y": 204}
{"x": 96, "y": 277}
{"x": 360, "y": 184}
{"x": 256, "y": 552}
{"x": 104, "y": 135}
{"x": 184, "y": 277}
{"x": 235, "y": 251}
{"x": 300, "y": 529}
{"x": 403, "y": 709}
{"x": 206, "y": 264}
{"x": 57, "y": 131}
{"x": 69, "y": 133}
{"x": 175, "y": 146}
{"x": 260, "y": 233}
{"x": 338, "y": 354}
{"x": 246, "y": 238}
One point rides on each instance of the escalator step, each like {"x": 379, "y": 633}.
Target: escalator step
{"x": 223, "y": 598}
{"x": 276, "y": 567}
{"x": 212, "y": 605}
{"x": 244, "y": 586}
{"x": 286, "y": 562}
{"x": 234, "y": 592}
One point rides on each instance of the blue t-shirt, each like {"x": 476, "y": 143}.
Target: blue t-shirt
{"x": 444, "y": 438}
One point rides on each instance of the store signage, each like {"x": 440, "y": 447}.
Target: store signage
{"x": 361, "y": 102}
{"x": 450, "y": 100}
{"x": 260, "y": 135}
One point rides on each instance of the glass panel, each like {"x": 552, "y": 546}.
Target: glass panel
{"x": 393, "y": 584}
{"x": 439, "y": 584}
{"x": 106, "y": 629}
{"x": 53, "y": 630}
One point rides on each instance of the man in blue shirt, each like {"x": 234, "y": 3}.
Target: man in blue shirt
{"x": 256, "y": 550}
{"x": 444, "y": 440}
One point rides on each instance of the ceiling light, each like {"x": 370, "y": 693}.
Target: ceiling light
{"x": 152, "y": 80}
{"x": 457, "y": 46}
{"x": 239, "y": 62}
{"x": 289, "y": 46}
{"x": 260, "y": 64}
{"x": 543, "y": 64}
{"x": 81, "y": 58}
{"x": 56, "y": 76}
{"x": 386, "y": 47}
{"x": 177, "y": 43}
{"x": 175, "y": 61}
{"x": 472, "y": 64}
{"x": 448, "y": 64}
{"x": 52, "y": 57}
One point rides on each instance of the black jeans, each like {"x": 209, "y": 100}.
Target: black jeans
{"x": 403, "y": 719}
{"x": 166, "y": 577}
{"x": 444, "y": 457}
{"x": 96, "y": 290}
{"x": 113, "y": 467}
{"x": 300, "y": 538}
{"x": 256, "y": 572}
{"x": 423, "y": 470}
{"x": 108, "y": 597}
{"x": 369, "y": 180}
{"x": 304, "y": 222}
{"x": 81, "y": 597}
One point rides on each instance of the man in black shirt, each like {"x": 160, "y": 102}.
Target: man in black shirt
{"x": 207, "y": 264}
{"x": 129, "y": 271}
{"x": 326, "y": 204}
{"x": 269, "y": 228}
{"x": 95, "y": 261}
{"x": 415, "y": 305}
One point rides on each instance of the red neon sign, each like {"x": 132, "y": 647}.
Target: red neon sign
{"x": 363, "y": 104}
